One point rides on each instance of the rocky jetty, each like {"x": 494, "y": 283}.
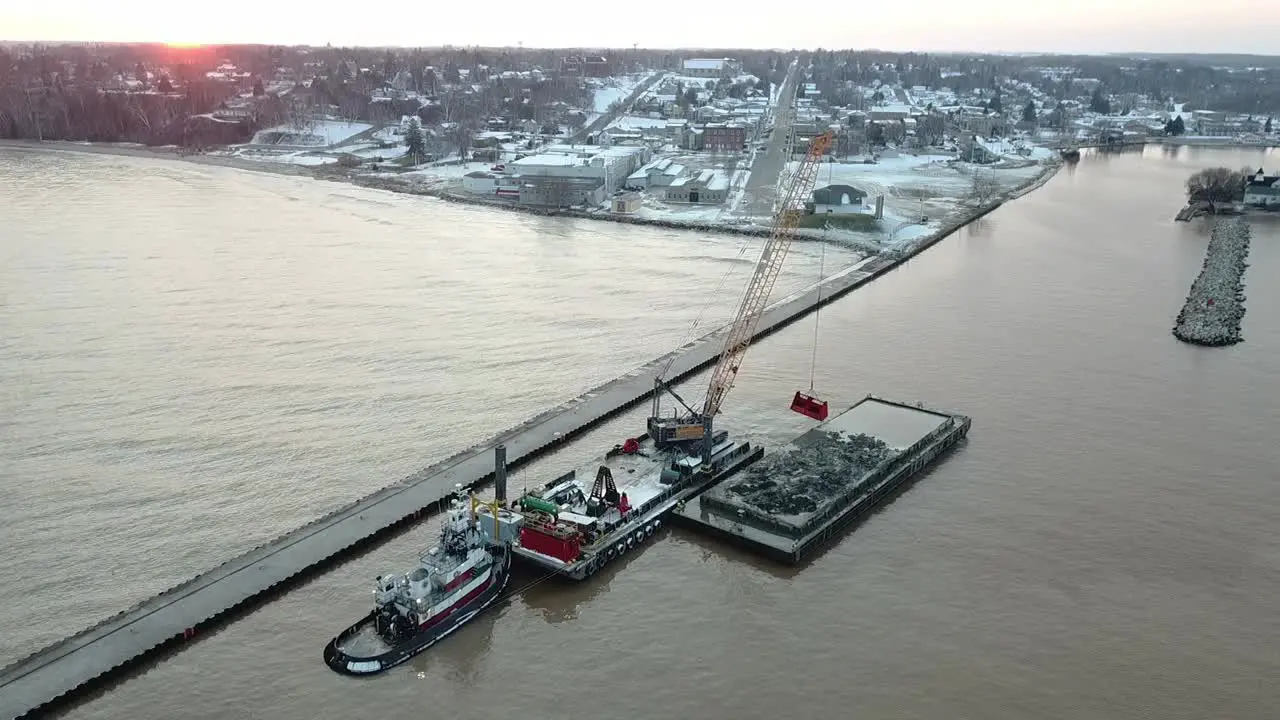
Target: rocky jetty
{"x": 1215, "y": 307}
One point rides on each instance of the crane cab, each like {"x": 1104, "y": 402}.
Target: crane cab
{"x": 673, "y": 431}
{"x": 810, "y": 406}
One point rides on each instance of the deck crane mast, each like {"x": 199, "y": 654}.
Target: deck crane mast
{"x": 696, "y": 424}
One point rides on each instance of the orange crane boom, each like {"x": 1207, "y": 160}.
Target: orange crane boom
{"x": 697, "y": 424}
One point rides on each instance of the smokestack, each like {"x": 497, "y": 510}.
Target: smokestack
{"x": 500, "y": 473}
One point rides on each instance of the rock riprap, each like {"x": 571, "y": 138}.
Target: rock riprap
{"x": 1215, "y": 307}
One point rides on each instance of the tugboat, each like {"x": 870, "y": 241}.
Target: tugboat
{"x": 454, "y": 581}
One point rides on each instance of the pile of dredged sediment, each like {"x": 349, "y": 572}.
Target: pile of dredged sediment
{"x": 797, "y": 482}
{"x": 1215, "y": 307}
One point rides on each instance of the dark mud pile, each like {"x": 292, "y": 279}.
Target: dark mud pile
{"x": 823, "y": 468}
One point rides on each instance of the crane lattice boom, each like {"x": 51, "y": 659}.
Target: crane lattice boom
{"x": 756, "y": 298}
{"x": 696, "y": 425}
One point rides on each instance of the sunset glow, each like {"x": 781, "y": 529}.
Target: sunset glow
{"x": 1084, "y": 26}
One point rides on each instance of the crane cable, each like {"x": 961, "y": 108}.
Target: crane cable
{"x": 817, "y": 310}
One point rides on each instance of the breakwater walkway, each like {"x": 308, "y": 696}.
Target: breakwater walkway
{"x": 181, "y": 612}
{"x": 1215, "y": 306}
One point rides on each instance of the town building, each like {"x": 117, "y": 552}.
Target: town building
{"x": 708, "y": 187}
{"x": 610, "y": 166}
{"x": 659, "y": 173}
{"x": 710, "y": 67}
{"x": 836, "y": 200}
{"x": 586, "y": 66}
{"x": 480, "y": 182}
{"x": 626, "y": 202}
{"x": 723, "y": 137}
{"x": 559, "y": 191}
{"x": 883, "y": 113}
{"x": 1262, "y": 190}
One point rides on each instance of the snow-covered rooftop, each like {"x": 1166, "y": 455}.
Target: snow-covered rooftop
{"x": 705, "y": 64}
{"x": 713, "y": 180}
{"x": 547, "y": 159}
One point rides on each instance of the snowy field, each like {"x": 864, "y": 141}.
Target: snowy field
{"x": 319, "y": 133}
{"x": 615, "y": 89}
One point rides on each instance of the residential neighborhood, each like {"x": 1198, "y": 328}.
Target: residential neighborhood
{"x": 644, "y": 133}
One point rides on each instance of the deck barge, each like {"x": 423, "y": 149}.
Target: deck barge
{"x": 654, "y": 489}
{"x": 799, "y": 496}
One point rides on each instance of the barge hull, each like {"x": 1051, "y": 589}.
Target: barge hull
{"x": 790, "y": 543}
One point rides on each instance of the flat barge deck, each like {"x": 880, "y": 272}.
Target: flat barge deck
{"x": 796, "y": 498}
{"x": 180, "y": 613}
{"x": 654, "y": 483}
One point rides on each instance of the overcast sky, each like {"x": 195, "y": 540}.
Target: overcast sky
{"x": 1085, "y": 26}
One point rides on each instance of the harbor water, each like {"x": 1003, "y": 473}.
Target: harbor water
{"x": 197, "y": 359}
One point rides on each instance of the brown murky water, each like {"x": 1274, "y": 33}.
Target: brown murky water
{"x": 1103, "y": 545}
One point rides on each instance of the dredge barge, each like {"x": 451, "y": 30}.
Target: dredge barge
{"x": 792, "y": 501}
{"x": 573, "y": 530}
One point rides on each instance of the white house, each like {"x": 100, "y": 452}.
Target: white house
{"x": 480, "y": 183}
{"x": 1263, "y": 190}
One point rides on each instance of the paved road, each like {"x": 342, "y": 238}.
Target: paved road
{"x": 761, "y": 189}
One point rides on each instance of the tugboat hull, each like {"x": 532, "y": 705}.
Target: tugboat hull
{"x": 351, "y": 662}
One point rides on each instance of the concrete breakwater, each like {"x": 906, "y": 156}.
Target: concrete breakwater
{"x": 1215, "y": 306}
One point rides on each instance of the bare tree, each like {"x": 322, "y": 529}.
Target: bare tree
{"x": 1215, "y": 185}
{"x": 460, "y": 135}
{"x": 983, "y": 188}
{"x": 300, "y": 117}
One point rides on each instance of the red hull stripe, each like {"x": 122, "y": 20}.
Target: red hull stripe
{"x": 460, "y": 580}
{"x": 465, "y": 599}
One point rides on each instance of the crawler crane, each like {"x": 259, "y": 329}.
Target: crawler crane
{"x": 695, "y": 425}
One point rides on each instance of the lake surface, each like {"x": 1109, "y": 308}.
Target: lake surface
{"x": 196, "y": 360}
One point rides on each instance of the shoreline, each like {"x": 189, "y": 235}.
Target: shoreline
{"x": 1212, "y": 142}
{"x": 961, "y": 218}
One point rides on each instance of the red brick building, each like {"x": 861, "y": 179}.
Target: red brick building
{"x": 721, "y": 137}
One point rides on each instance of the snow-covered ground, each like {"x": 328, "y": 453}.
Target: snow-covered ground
{"x": 443, "y": 176}
{"x": 933, "y": 187}
{"x": 378, "y": 154}
{"x": 1015, "y": 149}
{"x": 655, "y": 208}
{"x": 296, "y": 158}
{"x": 615, "y": 89}
{"x": 318, "y": 133}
